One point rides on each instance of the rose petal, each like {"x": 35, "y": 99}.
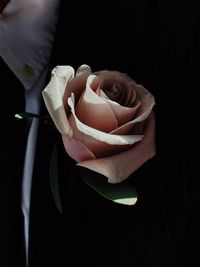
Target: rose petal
{"x": 53, "y": 94}
{"x": 124, "y": 129}
{"x": 147, "y": 102}
{"x": 98, "y": 148}
{"x": 117, "y": 87}
{"x": 76, "y": 150}
{"x": 122, "y": 114}
{"x": 99, "y": 135}
{"x": 83, "y": 69}
{"x": 76, "y": 86}
{"x": 131, "y": 96}
{"x": 144, "y": 110}
{"x": 118, "y": 167}
{"x": 93, "y": 111}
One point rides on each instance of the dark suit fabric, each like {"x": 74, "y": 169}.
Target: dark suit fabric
{"x": 13, "y": 140}
{"x": 156, "y": 43}
{"x": 93, "y": 230}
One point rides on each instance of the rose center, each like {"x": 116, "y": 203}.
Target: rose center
{"x": 113, "y": 92}
{"x": 122, "y": 94}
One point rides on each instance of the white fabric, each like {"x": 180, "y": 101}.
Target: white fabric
{"x": 26, "y": 36}
{"x": 27, "y": 30}
{"x": 33, "y": 97}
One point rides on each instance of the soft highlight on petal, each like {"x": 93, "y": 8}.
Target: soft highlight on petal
{"x": 99, "y": 135}
{"x": 76, "y": 150}
{"x": 76, "y": 86}
{"x": 120, "y": 166}
{"x": 83, "y": 69}
{"x": 97, "y": 147}
{"x": 53, "y": 94}
{"x": 94, "y": 111}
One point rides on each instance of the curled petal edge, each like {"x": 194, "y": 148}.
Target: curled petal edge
{"x": 120, "y": 166}
{"x": 53, "y": 94}
{"x": 99, "y": 135}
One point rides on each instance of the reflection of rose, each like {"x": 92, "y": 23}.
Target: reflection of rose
{"x": 105, "y": 119}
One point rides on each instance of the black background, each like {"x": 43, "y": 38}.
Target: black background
{"x": 157, "y": 44}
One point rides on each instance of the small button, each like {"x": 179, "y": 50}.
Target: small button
{"x": 27, "y": 71}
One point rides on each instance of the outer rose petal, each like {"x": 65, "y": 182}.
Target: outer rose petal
{"x": 53, "y": 94}
{"x": 76, "y": 150}
{"x": 118, "y": 167}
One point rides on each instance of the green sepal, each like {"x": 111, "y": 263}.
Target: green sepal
{"x": 26, "y": 115}
{"x": 29, "y": 115}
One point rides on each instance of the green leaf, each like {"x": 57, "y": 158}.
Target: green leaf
{"x": 122, "y": 193}
{"x": 54, "y": 177}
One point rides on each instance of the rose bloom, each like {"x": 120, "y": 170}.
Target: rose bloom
{"x": 105, "y": 119}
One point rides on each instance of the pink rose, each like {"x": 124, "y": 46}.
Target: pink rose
{"x": 105, "y": 119}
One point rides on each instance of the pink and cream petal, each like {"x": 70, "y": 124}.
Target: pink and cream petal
{"x": 77, "y": 86}
{"x": 99, "y": 135}
{"x": 83, "y": 69}
{"x": 99, "y": 148}
{"x": 144, "y": 110}
{"x": 119, "y": 167}
{"x": 123, "y": 114}
{"x": 93, "y": 111}
{"x": 76, "y": 150}
{"x": 53, "y": 94}
{"x": 124, "y": 129}
{"x": 147, "y": 103}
